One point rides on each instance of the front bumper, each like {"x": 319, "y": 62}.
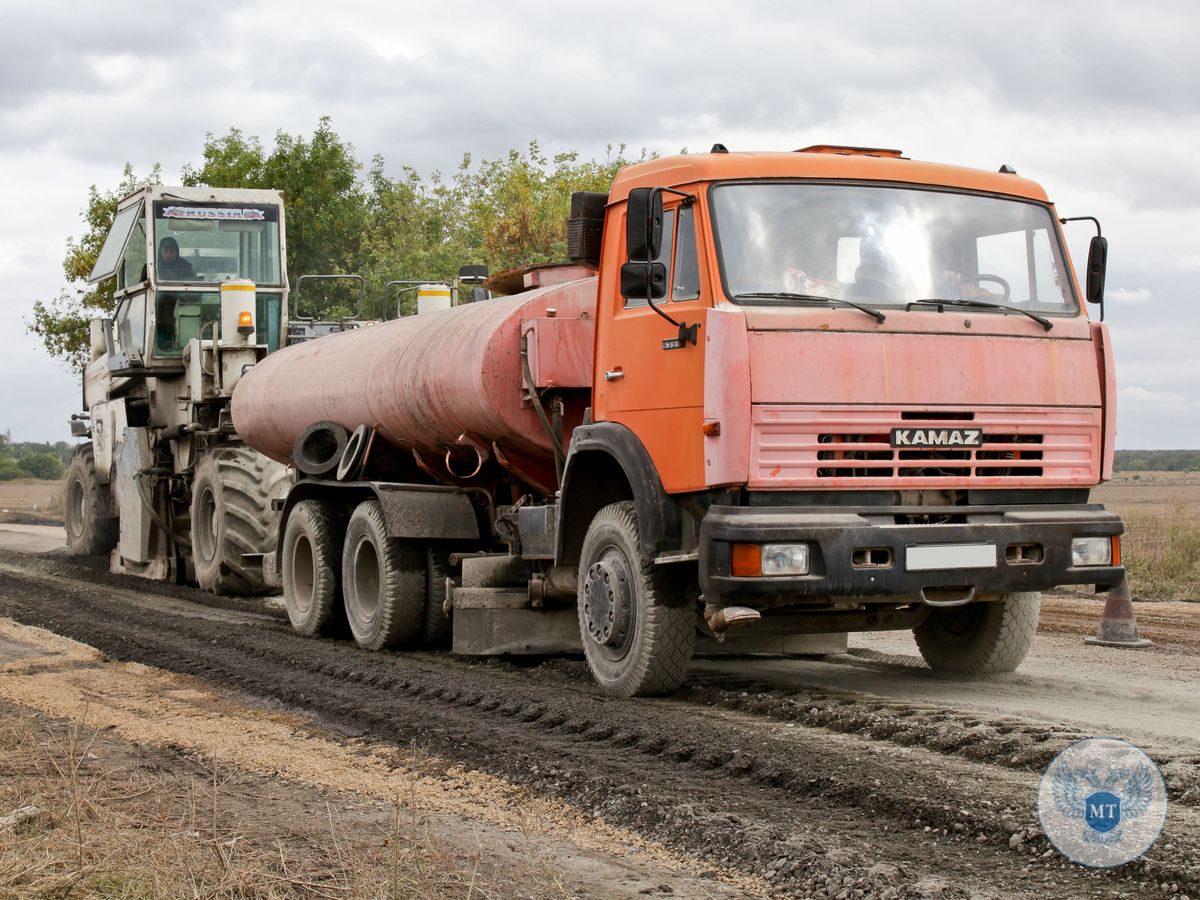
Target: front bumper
{"x": 834, "y": 535}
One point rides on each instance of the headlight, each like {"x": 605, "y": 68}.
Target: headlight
{"x": 1092, "y": 551}
{"x": 785, "y": 559}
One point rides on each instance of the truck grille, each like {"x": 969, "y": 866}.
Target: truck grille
{"x": 805, "y": 446}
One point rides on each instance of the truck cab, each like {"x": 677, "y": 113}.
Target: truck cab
{"x": 868, "y": 387}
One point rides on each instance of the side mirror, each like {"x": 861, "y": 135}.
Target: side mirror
{"x": 643, "y": 225}
{"x": 644, "y": 280}
{"x": 1097, "y": 262}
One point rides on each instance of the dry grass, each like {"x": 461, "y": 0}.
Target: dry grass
{"x": 32, "y": 501}
{"x": 1161, "y": 551}
{"x": 115, "y": 822}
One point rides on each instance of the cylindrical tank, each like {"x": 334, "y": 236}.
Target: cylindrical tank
{"x": 422, "y": 381}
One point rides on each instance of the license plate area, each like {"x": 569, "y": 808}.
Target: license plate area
{"x": 929, "y": 557}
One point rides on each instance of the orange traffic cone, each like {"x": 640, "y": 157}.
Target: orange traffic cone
{"x": 1118, "y": 624}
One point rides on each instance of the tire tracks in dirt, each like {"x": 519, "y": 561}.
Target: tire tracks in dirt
{"x": 809, "y": 809}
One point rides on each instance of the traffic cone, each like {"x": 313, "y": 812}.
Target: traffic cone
{"x": 1118, "y": 624}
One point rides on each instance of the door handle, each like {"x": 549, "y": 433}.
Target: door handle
{"x": 614, "y": 375}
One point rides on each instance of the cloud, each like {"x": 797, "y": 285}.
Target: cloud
{"x": 1124, "y": 295}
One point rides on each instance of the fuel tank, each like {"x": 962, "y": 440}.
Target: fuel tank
{"x": 423, "y": 381}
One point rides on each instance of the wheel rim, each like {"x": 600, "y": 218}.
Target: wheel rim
{"x": 367, "y": 579}
{"x": 206, "y": 535}
{"x": 76, "y": 507}
{"x": 303, "y": 575}
{"x": 608, "y": 603}
{"x": 957, "y": 624}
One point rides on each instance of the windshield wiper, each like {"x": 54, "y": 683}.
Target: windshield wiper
{"x": 786, "y": 295}
{"x": 979, "y": 304}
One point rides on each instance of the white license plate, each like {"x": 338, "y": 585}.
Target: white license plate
{"x": 950, "y": 556}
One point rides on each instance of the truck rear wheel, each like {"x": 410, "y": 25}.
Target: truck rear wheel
{"x": 980, "y": 638}
{"x": 232, "y": 515}
{"x": 637, "y": 627}
{"x": 383, "y": 581}
{"x": 311, "y": 567}
{"x": 91, "y": 527}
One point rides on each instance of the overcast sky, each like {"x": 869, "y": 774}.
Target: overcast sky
{"x": 1097, "y": 101}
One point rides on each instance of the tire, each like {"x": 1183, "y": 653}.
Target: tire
{"x": 435, "y": 623}
{"x": 383, "y": 582}
{"x": 91, "y": 527}
{"x": 637, "y": 626}
{"x": 311, "y": 567}
{"x": 980, "y": 638}
{"x": 231, "y": 515}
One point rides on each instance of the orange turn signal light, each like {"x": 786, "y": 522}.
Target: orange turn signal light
{"x": 747, "y": 560}
{"x": 712, "y": 428}
{"x": 1116, "y": 549}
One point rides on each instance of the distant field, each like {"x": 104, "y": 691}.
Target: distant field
{"x": 1150, "y": 491}
{"x": 27, "y": 500}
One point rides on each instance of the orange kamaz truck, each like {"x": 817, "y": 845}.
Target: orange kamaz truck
{"x": 774, "y": 398}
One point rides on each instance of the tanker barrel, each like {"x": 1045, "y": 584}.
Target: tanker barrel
{"x": 447, "y": 381}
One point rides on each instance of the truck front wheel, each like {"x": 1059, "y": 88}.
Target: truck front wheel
{"x": 91, "y": 528}
{"x": 383, "y": 581}
{"x": 980, "y": 638}
{"x": 637, "y": 626}
{"x": 311, "y": 567}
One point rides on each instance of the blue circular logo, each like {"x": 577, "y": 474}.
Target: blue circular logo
{"x": 1102, "y": 802}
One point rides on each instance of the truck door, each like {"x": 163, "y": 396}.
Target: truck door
{"x": 658, "y": 393}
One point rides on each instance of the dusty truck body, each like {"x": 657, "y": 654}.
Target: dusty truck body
{"x": 803, "y": 394}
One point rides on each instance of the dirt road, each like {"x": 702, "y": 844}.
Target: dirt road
{"x": 861, "y": 772}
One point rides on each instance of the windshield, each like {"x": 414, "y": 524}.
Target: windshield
{"x": 885, "y": 245}
{"x": 214, "y": 241}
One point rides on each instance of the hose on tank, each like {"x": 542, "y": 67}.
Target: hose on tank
{"x": 560, "y": 458}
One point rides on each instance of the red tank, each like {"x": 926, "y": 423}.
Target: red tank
{"x": 425, "y": 381}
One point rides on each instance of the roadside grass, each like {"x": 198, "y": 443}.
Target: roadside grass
{"x": 97, "y": 818}
{"x": 1161, "y": 551}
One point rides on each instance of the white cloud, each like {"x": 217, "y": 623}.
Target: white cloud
{"x": 1124, "y": 295}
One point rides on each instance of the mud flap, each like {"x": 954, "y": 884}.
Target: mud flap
{"x": 515, "y": 632}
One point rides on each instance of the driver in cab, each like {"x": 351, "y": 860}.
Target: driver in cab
{"x": 170, "y": 266}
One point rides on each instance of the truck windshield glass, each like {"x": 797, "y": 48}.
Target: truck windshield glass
{"x": 214, "y": 241}
{"x": 886, "y": 246}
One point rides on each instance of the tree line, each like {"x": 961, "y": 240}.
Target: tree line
{"x": 347, "y": 217}
{"x": 31, "y": 459}
{"x": 1156, "y": 461}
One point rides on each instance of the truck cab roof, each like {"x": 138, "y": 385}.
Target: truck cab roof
{"x": 822, "y": 163}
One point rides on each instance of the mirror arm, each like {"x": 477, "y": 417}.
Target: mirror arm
{"x": 688, "y": 334}
{"x": 1091, "y": 219}
{"x": 688, "y": 199}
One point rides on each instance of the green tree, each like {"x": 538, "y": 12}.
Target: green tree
{"x": 62, "y": 321}
{"x": 41, "y": 465}
{"x": 325, "y": 202}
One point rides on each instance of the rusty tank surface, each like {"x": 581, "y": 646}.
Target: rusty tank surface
{"x": 447, "y": 384}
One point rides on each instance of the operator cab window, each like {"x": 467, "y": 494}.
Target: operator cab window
{"x": 210, "y": 242}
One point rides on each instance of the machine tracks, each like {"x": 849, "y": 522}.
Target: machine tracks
{"x": 817, "y": 792}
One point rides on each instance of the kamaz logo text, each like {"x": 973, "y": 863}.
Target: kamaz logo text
{"x": 937, "y": 437}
